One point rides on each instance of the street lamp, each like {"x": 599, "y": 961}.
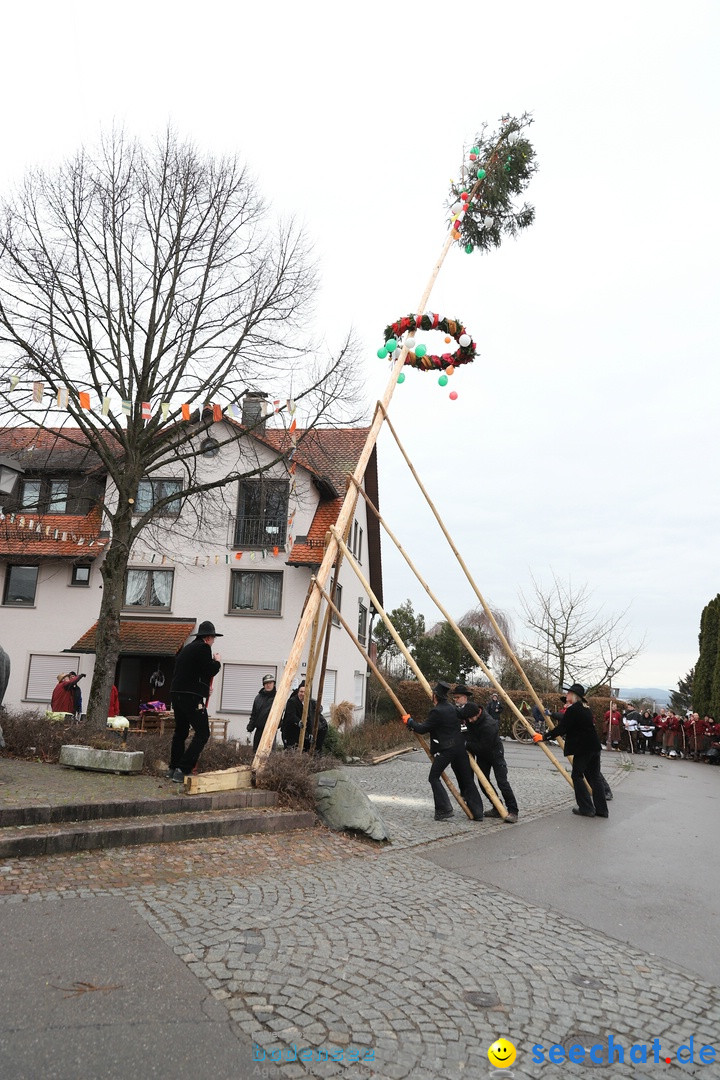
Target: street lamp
{"x": 10, "y": 471}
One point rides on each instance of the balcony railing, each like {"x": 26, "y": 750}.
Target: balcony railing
{"x": 260, "y": 532}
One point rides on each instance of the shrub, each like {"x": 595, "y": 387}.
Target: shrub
{"x": 292, "y": 775}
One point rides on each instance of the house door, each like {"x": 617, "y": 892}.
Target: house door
{"x": 143, "y": 678}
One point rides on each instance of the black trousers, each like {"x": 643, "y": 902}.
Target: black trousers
{"x": 587, "y": 767}
{"x": 499, "y": 766}
{"x": 190, "y": 712}
{"x": 456, "y": 757}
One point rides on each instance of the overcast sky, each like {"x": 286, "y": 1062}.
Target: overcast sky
{"x": 584, "y": 439}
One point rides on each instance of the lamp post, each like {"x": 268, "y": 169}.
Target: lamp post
{"x": 10, "y": 471}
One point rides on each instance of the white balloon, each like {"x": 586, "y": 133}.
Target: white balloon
{"x": 488, "y": 221}
{"x": 410, "y": 342}
{"x": 513, "y": 137}
{"x": 457, "y": 207}
{"x": 464, "y": 340}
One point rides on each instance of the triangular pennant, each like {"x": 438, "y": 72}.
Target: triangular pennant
{"x": 38, "y": 391}
{"x": 106, "y": 406}
{"x": 185, "y": 411}
{"x": 84, "y": 399}
{"x": 63, "y": 396}
{"x": 164, "y": 409}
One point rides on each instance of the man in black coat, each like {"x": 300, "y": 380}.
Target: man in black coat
{"x": 483, "y": 741}
{"x": 447, "y": 745}
{"x": 261, "y": 708}
{"x": 195, "y": 666}
{"x": 582, "y": 743}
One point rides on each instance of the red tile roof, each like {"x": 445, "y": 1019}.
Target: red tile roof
{"x": 143, "y": 637}
{"x": 311, "y": 552}
{"x": 55, "y": 536}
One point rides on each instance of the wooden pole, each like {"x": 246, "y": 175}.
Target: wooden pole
{"x": 478, "y": 659}
{"x": 396, "y": 701}
{"x": 488, "y": 612}
{"x": 343, "y": 519}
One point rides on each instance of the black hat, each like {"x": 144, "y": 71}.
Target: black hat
{"x": 207, "y": 629}
{"x": 441, "y": 689}
{"x": 576, "y": 689}
{"x": 461, "y": 688}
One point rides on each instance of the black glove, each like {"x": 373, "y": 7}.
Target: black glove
{"x": 411, "y": 724}
{"x": 251, "y": 725}
{"x": 548, "y": 736}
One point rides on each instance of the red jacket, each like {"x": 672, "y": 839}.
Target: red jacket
{"x": 63, "y": 696}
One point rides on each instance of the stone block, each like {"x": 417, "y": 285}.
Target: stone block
{"x": 87, "y": 757}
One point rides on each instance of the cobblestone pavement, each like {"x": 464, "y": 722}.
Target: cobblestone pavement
{"x": 327, "y": 944}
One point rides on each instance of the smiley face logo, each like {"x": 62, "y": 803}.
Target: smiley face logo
{"x": 502, "y": 1054}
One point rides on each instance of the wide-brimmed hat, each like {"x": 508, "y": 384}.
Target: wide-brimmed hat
{"x": 268, "y": 678}
{"x": 441, "y": 689}
{"x": 576, "y": 689}
{"x": 461, "y": 688}
{"x": 207, "y": 629}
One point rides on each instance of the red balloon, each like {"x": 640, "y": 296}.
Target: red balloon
{"x": 453, "y": 395}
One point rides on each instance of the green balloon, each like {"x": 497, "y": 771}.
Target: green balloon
{"x": 481, "y": 174}
{"x": 469, "y": 249}
{"x": 391, "y": 344}
{"x": 382, "y": 353}
{"x": 442, "y": 381}
{"x": 420, "y": 351}
{"x": 401, "y": 377}
{"x": 475, "y": 150}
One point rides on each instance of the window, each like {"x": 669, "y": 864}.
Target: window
{"x": 30, "y": 495}
{"x": 151, "y": 492}
{"x": 46, "y": 496}
{"x": 338, "y": 602}
{"x": 356, "y": 539}
{"x": 150, "y": 589}
{"x": 262, "y": 514}
{"x": 359, "y": 545}
{"x": 20, "y": 585}
{"x": 43, "y": 671}
{"x": 362, "y": 622}
{"x": 80, "y": 575}
{"x": 256, "y": 593}
{"x": 359, "y": 682}
{"x": 240, "y": 684}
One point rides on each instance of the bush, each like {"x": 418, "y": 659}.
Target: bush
{"x": 368, "y": 739}
{"x": 292, "y": 775}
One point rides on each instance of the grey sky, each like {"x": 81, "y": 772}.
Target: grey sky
{"x": 584, "y": 439}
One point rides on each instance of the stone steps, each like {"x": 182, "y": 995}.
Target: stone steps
{"x": 57, "y": 829}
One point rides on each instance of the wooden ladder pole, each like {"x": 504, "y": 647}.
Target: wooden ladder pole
{"x": 396, "y": 702}
{"x": 485, "y": 783}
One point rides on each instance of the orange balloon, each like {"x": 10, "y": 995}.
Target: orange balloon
{"x": 456, "y": 235}
{"x": 448, "y": 340}
{"x": 450, "y": 370}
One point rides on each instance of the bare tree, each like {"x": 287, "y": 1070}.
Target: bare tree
{"x": 577, "y": 641}
{"x": 150, "y": 274}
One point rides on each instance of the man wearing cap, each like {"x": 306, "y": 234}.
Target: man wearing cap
{"x": 195, "y": 666}
{"x": 447, "y": 744}
{"x": 261, "y": 708}
{"x": 582, "y": 743}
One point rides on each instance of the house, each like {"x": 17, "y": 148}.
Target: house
{"x": 242, "y": 556}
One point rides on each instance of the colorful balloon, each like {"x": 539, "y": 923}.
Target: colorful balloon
{"x": 464, "y": 340}
{"x": 401, "y": 377}
{"x": 391, "y": 344}
{"x": 442, "y": 381}
{"x": 420, "y": 351}
{"x": 469, "y": 249}
{"x": 481, "y": 174}
{"x": 453, "y": 395}
{"x": 382, "y": 353}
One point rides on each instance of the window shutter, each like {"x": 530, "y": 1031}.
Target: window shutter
{"x": 43, "y": 672}
{"x": 328, "y": 697}
{"x": 240, "y": 684}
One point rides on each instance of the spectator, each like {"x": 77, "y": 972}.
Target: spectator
{"x": 261, "y": 708}
{"x": 65, "y": 695}
{"x": 495, "y": 707}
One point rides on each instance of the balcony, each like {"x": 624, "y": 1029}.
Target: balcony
{"x": 259, "y": 532}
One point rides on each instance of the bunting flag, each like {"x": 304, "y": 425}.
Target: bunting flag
{"x": 84, "y": 399}
{"x": 146, "y": 411}
{"x": 185, "y": 411}
{"x": 38, "y": 391}
{"x": 63, "y": 396}
{"x": 217, "y": 413}
{"x": 293, "y": 426}
{"x": 126, "y": 407}
{"x": 276, "y": 406}
{"x": 164, "y": 409}
{"x": 291, "y": 406}
{"x": 106, "y": 406}
{"x": 276, "y": 551}
{"x": 14, "y": 380}
{"x": 235, "y": 410}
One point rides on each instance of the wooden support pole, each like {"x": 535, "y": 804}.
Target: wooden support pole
{"x": 395, "y": 700}
{"x": 510, "y": 652}
{"x": 484, "y": 782}
{"x": 478, "y": 659}
{"x": 343, "y": 519}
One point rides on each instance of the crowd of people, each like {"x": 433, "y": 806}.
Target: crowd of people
{"x": 664, "y": 733}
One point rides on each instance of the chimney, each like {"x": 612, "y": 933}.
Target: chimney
{"x": 253, "y": 410}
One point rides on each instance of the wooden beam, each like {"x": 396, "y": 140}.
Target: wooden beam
{"x": 223, "y": 780}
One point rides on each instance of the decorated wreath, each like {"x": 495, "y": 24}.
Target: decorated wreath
{"x": 497, "y": 169}
{"x": 417, "y": 355}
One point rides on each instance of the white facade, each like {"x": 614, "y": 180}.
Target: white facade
{"x": 191, "y": 568}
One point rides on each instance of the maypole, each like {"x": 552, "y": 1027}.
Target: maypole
{"x": 496, "y": 170}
